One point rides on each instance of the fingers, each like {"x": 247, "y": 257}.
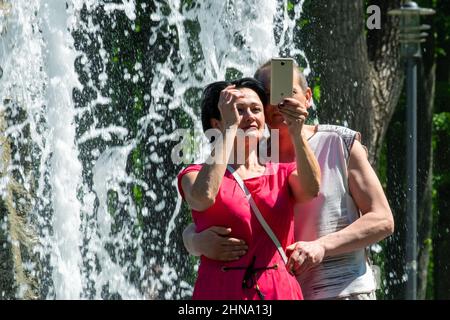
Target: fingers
{"x": 305, "y": 262}
{"x": 290, "y": 118}
{"x": 215, "y": 244}
{"x": 300, "y": 264}
{"x": 296, "y": 109}
{"x": 232, "y": 255}
{"x": 234, "y": 246}
{"x": 292, "y": 261}
{"x": 229, "y": 94}
{"x": 234, "y": 242}
{"x": 232, "y": 95}
{"x": 304, "y": 256}
{"x": 292, "y": 114}
{"x": 229, "y": 249}
{"x": 290, "y": 249}
{"x": 220, "y": 252}
{"x": 232, "y": 252}
{"x": 297, "y": 259}
{"x": 227, "y": 105}
{"x": 291, "y": 101}
{"x": 293, "y": 104}
{"x": 222, "y": 231}
{"x": 305, "y": 267}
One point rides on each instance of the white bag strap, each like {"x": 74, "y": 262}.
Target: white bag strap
{"x": 258, "y": 213}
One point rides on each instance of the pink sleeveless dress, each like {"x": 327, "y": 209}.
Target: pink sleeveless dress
{"x": 260, "y": 273}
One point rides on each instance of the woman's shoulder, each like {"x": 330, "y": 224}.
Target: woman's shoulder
{"x": 190, "y": 168}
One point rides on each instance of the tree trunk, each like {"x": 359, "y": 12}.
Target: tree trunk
{"x": 360, "y": 78}
{"x": 386, "y": 74}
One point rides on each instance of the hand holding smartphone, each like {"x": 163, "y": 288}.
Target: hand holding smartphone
{"x": 281, "y": 79}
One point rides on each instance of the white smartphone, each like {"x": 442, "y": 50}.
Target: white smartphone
{"x": 281, "y": 79}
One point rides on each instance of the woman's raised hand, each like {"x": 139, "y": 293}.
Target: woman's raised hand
{"x": 227, "y": 106}
{"x": 294, "y": 114}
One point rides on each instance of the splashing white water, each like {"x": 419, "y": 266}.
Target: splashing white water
{"x": 87, "y": 255}
{"x": 65, "y": 173}
{"x": 233, "y": 35}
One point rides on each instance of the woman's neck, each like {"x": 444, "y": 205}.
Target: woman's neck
{"x": 249, "y": 161}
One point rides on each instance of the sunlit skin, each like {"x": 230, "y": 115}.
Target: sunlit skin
{"x": 250, "y": 113}
{"x": 212, "y": 241}
{"x": 376, "y": 221}
{"x": 239, "y": 109}
{"x": 200, "y": 188}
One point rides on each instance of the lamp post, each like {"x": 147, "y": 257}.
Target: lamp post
{"x": 411, "y": 36}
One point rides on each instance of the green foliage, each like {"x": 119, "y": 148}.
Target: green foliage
{"x": 232, "y": 74}
{"x": 138, "y": 197}
{"x": 379, "y": 260}
{"x": 193, "y": 30}
{"x": 441, "y": 52}
{"x": 138, "y": 103}
{"x": 382, "y": 166}
{"x": 112, "y": 198}
{"x": 115, "y": 54}
{"x": 303, "y": 22}
{"x": 438, "y": 287}
{"x": 290, "y": 6}
{"x": 316, "y": 93}
{"x": 441, "y": 122}
{"x": 138, "y": 194}
{"x": 165, "y": 8}
{"x": 442, "y": 96}
{"x": 430, "y": 276}
{"x": 187, "y": 4}
{"x": 191, "y": 276}
{"x": 441, "y": 132}
{"x": 137, "y": 162}
{"x": 192, "y": 97}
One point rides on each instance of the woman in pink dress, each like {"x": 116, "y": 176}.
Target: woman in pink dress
{"x": 216, "y": 199}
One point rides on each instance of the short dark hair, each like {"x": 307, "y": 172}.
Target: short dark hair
{"x": 211, "y": 94}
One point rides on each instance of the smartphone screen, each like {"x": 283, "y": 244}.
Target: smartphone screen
{"x": 281, "y": 79}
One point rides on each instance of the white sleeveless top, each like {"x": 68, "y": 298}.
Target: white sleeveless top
{"x": 332, "y": 210}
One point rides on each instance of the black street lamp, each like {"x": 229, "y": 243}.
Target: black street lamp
{"x": 411, "y": 36}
